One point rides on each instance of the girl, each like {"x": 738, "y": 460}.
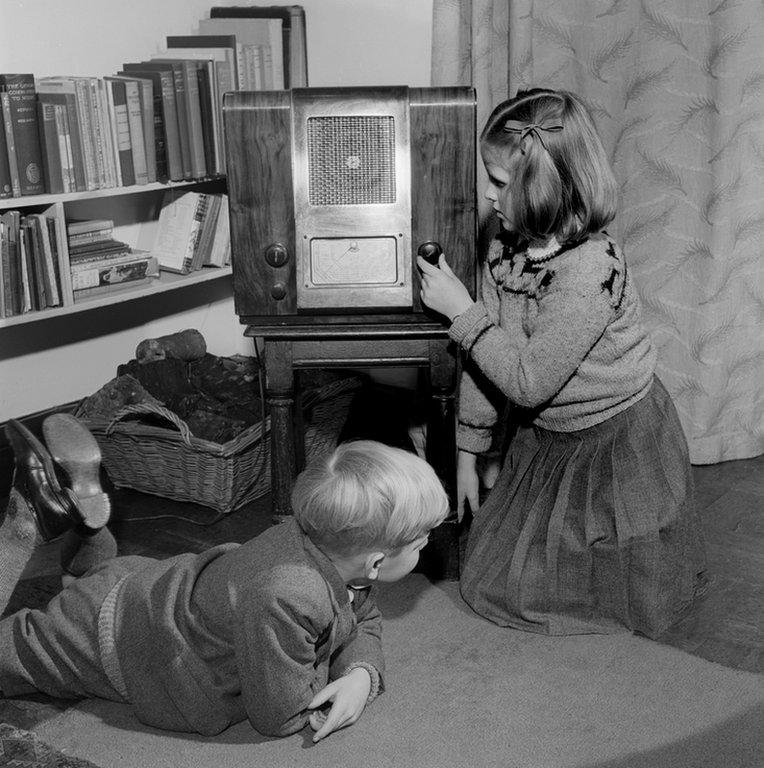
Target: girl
{"x": 590, "y": 526}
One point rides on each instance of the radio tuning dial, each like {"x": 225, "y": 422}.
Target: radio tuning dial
{"x": 278, "y": 291}
{"x": 276, "y": 255}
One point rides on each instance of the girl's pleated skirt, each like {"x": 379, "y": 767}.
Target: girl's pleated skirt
{"x": 590, "y": 531}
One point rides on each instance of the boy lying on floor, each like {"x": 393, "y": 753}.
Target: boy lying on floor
{"x": 282, "y": 630}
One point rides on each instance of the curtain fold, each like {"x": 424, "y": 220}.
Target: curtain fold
{"x": 676, "y": 88}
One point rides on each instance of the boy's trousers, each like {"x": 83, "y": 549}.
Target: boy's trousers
{"x": 56, "y": 649}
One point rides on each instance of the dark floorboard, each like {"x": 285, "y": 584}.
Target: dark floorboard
{"x": 726, "y": 626}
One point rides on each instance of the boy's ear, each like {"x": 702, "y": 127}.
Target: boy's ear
{"x": 373, "y": 562}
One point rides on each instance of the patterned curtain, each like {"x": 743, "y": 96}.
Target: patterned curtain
{"x": 676, "y": 88}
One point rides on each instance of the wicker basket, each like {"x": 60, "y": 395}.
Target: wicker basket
{"x": 172, "y": 463}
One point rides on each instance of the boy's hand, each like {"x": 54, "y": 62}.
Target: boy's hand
{"x": 441, "y": 288}
{"x": 348, "y": 696}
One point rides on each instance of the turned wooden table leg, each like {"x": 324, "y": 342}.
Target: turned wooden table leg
{"x": 279, "y": 390}
{"x": 443, "y": 554}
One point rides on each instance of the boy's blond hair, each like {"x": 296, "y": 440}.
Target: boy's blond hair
{"x": 368, "y": 496}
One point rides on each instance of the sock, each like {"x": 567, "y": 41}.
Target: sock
{"x": 18, "y": 538}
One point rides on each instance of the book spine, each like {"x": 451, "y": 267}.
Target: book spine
{"x": 59, "y": 256}
{"x": 146, "y": 89}
{"x": 6, "y": 190}
{"x": 135, "y": 122}
{"x": 13, "y": 305}
{"x": 51, "y": 156}
{"x": 98, "y": 139}
{"x": 98, "y": 235}
{"x": 111, "y": 274}
{"x": 47, "y": 265}
{"x": 76, "y": 143}
{"x": 88, "y": 225}
{"x": 65, "y": 152}
{"x": 194, "y": 120}
{"x": 87, "y": 132}
{"x": 23, "y": 105}
{"x": 5, "y": 106}
{"x": 122, "y": 125}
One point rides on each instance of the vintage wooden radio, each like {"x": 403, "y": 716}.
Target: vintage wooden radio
{"x": 333, "y": 192}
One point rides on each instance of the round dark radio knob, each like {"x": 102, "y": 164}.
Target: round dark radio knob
{"x": 278, "y": 291}
{"x": 430, "y": 251}
{"x": 276, "y": 255}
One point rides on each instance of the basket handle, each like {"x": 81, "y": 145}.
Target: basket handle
{"x": 150, "y": 408}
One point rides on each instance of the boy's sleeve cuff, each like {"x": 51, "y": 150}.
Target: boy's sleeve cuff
{"x": 376, "y": 679}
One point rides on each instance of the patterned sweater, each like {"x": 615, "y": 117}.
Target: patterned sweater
{"x": 557, "y": 332}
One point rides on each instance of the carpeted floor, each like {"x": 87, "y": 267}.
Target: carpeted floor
{"x": 463, "y": 693}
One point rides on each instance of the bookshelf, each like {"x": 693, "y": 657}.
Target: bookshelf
{"x": 135, "y": 210}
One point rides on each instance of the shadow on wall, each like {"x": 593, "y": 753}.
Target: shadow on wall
{"x": 59, "y": 330}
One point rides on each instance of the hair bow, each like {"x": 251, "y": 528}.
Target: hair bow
{"x": 527, "y": 129}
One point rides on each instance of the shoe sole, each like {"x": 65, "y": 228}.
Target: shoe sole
{"x": 76, "y": 451}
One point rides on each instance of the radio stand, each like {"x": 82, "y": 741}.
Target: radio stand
{"x": 363, "y": 345}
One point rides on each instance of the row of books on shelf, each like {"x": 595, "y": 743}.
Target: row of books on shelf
{"x": 157, "y": 119}
{"x": 37, "y": 271}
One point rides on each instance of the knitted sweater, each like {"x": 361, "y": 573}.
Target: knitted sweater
{"x": 557, "y": 332}
{"x": 241, "y": 631}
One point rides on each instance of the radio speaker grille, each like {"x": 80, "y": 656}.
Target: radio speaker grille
{"x": 351, "y": 160}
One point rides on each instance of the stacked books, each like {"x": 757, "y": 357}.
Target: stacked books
{"x": 192, "y": 232}
{"x": 31, "y": 261}
{"x": 99, "y": 264}
{"x": 157, "y": 119}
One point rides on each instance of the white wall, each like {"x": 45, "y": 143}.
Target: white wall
{"x": 350, "y": 42}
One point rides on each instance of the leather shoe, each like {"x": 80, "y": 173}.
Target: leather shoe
{"x": 76, "y": 453}
{"x": 34, "y": 478}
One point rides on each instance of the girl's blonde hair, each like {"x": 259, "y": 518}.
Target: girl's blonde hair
{"x": 368, "y": 496}
{"x": 562, "y": 183}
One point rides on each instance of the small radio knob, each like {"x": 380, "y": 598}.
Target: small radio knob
{"x": 430, "y": 252}
{"x": 278, "y": 291}
{"x": 276, "y": 255}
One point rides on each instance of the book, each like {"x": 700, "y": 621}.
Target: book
{"x": 169, "y": 165}
{"x": 32, "y": 250}
{"x": 66, "y": 152}
{"x": 253, "y": 31}
{"x": 118, "y": 101}
{"x": 220, "y": 251}
{"x": 294, "y": 40}
{"x": 193, "y": 113}
{"x": 6, "y": 190}
{"x": 48, "y": 268}
{"x": 221, "y": 51}
{"x": 137, "y": 140}
{"x": 12, "y": 278}
{"x": 174, "y": 71}
{"x": 139, "y": 266}
{"x": 146, "y": 93}
{"x": 51, "y": 155}
{"x": 10, "y": 144}
{"x": 50, "y": 93}
{"x": 20, "y": 88}
{"x": 215, "y": 78}
{"x": 27, "y": 300}
{"x": 206, "y": 232}
{"x": 56, "y": 238}
{"x": 80, "y": 123}
{"x": 78, "y": 226}
{"x": 177, "y": 228}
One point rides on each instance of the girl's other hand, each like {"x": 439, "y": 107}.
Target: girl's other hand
{"x": 467, "y": 483}
{"x": 441, "y": 288}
